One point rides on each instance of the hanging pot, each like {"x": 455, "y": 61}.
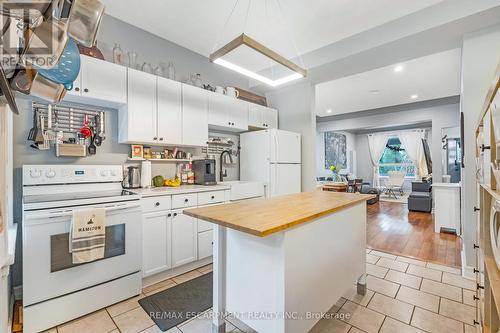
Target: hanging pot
{"x": 84, "y": 20}
{"x": 46, "y": 89}
{"x": 45, "y": 44}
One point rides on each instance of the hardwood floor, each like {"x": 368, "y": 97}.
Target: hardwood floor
{"x": 394, "y": 229}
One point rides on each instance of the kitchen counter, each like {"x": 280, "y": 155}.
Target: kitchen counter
{"x": 302, "y": 251}
{"x": 262, "y": 217}
{"x": 157, "y": 191}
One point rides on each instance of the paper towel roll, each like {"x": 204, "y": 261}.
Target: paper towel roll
{"x": 146, "y": 174}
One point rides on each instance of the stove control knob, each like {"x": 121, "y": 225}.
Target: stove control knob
{"x": 50, "y": 173}
{"x": 113, "y": 172}
{"x": 35, "y": 173}
{"x": 104, "y": 173}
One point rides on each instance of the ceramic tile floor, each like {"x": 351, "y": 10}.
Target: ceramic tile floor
{"x": 405, "y": 296}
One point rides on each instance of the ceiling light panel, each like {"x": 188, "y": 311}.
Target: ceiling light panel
{"x": 248, "y": 57}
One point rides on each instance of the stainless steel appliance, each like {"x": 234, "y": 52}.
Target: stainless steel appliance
{"x": 52, "y": 284}
{"x": 204, "y": 172}
{"x": 132, "y": 178}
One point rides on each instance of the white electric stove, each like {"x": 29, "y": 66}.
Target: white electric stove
{"x": 54, "y": 289}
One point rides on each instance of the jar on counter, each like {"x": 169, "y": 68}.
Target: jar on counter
{"x": 190, "y": 174}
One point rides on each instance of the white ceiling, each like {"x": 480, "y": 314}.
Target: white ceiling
{"x": 430, "y": 77}
{"x": 198, "y": 25}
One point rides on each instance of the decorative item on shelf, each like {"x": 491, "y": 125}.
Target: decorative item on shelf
{"x": 220, "y": 90}
{"x": 146, "y": 67}
{"x": 93, "y": 51}
{"x": 147, "y": 153}
{"x": 118, "y": 54}
{"x": 208, "y": 87}
{"x": 198, "y": 82}
{"x": 232, "y": 92}
{"x": 251, "y": 97}
{"x": 171, "y": 71}
{"x": 132, "y": 60}
{"x": 161, "y": 70}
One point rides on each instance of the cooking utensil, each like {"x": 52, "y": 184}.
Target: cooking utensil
{"x": 84, "y": 20}
{"x": 7, "y": 92}
{"x": 34, "y": 129}
{"x": 102, "y": 131}
{"x": 67, "y": 69}
{"x": 93, "y": 51}
{"x": 46, "y": 89}
{"x": 92, "y": 148}
{"x": 49, "y": 39}
{"x": 38, "y": 135}
{"x": 85, "y": 130}
{"x": 45, "y": 144}
{"x": 97, "y": 136}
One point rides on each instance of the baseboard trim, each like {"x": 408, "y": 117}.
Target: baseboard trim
{"x": 467, "y": 271}
{"x": 170, "y": 273}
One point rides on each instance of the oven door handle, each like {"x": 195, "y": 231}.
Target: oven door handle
{"x": 69, "y": 212}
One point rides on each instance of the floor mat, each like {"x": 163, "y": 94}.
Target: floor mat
{"x": 175, "y": 305}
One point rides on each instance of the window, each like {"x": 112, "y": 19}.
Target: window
{"x": 395, "y": 158}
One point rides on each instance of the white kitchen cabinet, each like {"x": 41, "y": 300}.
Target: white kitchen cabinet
{"x": 184, "y": 239}
{"x": 169, "y": 108}
{"x": 270, "y": 118}
{"x": 262, "y": 117}
{"x": 227, "y": 113}
{"x": 156, "y": 240}
{"x": 138, "y": 119}
{"x": 194, "y": 116}
{"x": 205, "y": 244}
{"x": 100, "y": 83}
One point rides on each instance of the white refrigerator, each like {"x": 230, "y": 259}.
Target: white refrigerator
{"x": 273, "y": 157}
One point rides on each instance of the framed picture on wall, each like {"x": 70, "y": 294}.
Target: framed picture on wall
{"x": 335, "y": 150}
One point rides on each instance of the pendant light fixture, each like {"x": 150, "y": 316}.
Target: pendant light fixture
{"x": 246, "y": 41}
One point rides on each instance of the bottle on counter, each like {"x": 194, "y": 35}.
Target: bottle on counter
{"x": 184, "y": 176}
{"x": 190, "y": 174}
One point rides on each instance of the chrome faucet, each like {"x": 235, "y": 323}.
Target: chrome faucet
{"x": 223, "y": 173}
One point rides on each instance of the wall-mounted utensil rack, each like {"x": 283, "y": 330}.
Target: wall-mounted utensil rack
{"x": 68, "y": 119}
{"x": 216, "y": 145}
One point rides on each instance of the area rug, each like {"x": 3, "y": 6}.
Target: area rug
{"x": 403, "y": 199}
{"x": 175, "y": 305}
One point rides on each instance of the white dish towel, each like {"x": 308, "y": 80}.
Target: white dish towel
{"x": 87, "y": 235}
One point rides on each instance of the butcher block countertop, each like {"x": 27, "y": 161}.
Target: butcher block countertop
{"x": 262, "y": 217}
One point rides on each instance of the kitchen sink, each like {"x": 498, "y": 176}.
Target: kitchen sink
{"x": 241, "y": 189}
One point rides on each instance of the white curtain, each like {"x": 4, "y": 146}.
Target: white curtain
{"x": 376, "y": 143}
{"x": 412, "y": 142}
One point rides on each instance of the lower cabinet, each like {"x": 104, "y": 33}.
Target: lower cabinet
{"x": 184, "y": 238}
{"x": 205, "y": 244}
{"x": 156, "y": 236}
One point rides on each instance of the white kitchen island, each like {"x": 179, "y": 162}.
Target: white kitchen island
{"x": 280, "y": 263}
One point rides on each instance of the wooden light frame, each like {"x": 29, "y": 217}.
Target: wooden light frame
{"x": 253, "y": 44}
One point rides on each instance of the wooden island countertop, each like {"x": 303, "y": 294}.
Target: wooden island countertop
{"x": 263, "y": 217}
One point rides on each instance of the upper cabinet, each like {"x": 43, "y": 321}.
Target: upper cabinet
{"x": 227, "y": 113}
{"x": 100, "y": 83}
{"x": 137, "y": 119}
{"x": 262, "y": 117}
{"x": 169, "y": 111}
{"x": 194, "y": 116}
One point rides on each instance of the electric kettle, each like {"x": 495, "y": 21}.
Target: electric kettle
{"x": 133, "y": 178}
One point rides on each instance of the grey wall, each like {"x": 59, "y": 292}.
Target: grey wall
{"x": 440, "y": 116}
{"x": 153, "y": 49}
{"x": 480, "y": 58}
{"x": 296, "y": 105}
{"x": 150, "y": 48}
